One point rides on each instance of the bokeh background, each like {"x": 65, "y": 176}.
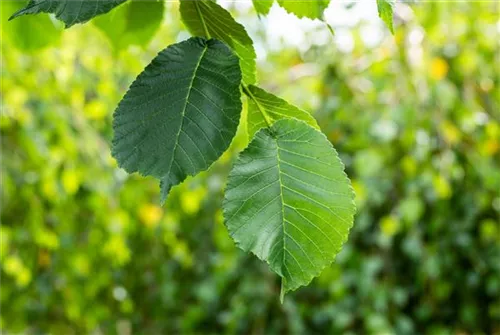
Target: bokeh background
{"x": 86, "y": 248}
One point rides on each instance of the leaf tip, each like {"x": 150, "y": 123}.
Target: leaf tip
{"x": 164, "y": 191}
{"x": 16, "y": 14}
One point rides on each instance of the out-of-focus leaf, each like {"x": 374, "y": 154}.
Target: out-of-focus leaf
{"x": 69, "y": 11}
{"x": 289, "y": 202}
{"x": 305, "y": 8}
{"x": 385, "y": 11}
{"x": 203, "y": 16}
{"x": 262, "y": 102}
{"x": 27, "y": 33}
{"x": 181, "y": 112}
{"x": 133, "y": 23}
{"x": 262, "y": 6}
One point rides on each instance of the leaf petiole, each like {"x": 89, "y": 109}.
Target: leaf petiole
{"x": 261, "y": 109}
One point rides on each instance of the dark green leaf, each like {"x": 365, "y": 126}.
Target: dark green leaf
{"x": 385, "y": 11}
{"x": 289, "y": 202}
{"x": 69, "y": 11}
{"x": 181, "y": 112}
{"x": 305, "y": 8}
{"x": 262, "y": 6}
{"x": 206, "y": 18}
{"x": 133, "y": 23}
{"x": 264, "y": 103}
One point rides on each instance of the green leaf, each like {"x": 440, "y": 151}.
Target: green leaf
{"x": 289, "y": 202}
{"x": 133, "y": 23}
{"x": 181, "y": 112}
{"x": 262, "y": 6}
{"x": 305, "y": 8}
{"x": 264, "y": 103}
{"x": 385, "y": 11}
{"x": 69, "y": 11}
{"x": 28, "y": 34}
{"x": 208, "y": 19}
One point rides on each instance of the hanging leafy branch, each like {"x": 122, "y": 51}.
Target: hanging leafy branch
{"x": 287, "y": 200}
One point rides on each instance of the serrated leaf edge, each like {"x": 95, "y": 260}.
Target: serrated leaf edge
{"x": 351, "y": 217}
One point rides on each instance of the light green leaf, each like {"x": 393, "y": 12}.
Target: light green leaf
{"x": 27, "y": 34}
{"x": 305, "y": 8}
{"x": 262, "y": 6}
{"x": 385, "y": 11}
{"x": 208, "y": 19}
{"x": 263, "y": 103}
{"x": 181, "y": 112}
{"x": 289, "y": 202}
{"x": 133, "y": 23}
{"x": 69, "y": 11}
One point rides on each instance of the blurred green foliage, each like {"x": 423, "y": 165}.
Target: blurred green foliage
{"x": 85, "y": 248}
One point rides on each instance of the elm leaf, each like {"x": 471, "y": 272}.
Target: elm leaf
{"x": 181, "y": 112}
{"x": 289, "y": 201}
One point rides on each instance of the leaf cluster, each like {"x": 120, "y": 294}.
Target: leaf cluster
{"x": 288, "y": 200}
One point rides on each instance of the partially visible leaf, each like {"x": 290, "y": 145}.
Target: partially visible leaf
{"x": 262, "y": 6}
{"x": 385, "y": 11}
{"x": 28, "y": 34}
{"x": 181, "y": 112}
{"x": 201, "y": 16}
{"x": 69, "y": 11}
{"x": 133, "y": 23}
{"x": 262, "y": 102}
{"x": 305, "y": 8}
{"x": 289, "y": 202}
